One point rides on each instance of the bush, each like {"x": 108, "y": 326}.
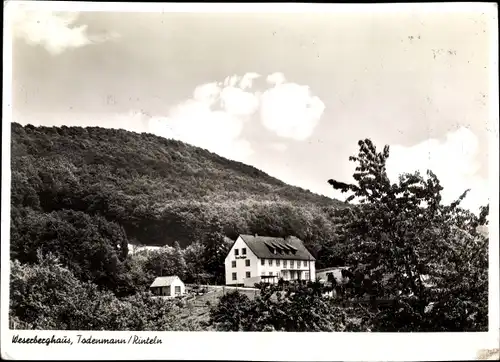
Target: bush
{"x": 48, "y": 296}
{"x": 290, "y": 308}
{"x": 231, "y": 311}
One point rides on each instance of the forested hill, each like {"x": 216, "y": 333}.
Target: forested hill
{"x": 159, "y": 190}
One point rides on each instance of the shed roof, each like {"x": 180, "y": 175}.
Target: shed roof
{"x": 291, "y": 248}
{"x": 164, "y": 281}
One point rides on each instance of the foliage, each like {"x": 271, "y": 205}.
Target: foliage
{"x": 48, "y": 296}
{"x": 81, "y": 195}
{"x": 231, "y": 312}
{"x": 180, "y": 264}
{"x": 193, "y": 254}
{"x": 406, "y": 245}
{"x": 215, "y": 249}
{"x": 284, "y": 307}
{"x": 93, "y": 248}
{"x": 159, "y": 190}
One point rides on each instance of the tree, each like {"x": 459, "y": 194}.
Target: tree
{"x": 48, "y": 296}
{"x": 194, "y": 255}
{"x": 406, "y": 245}
{"x": 230, "y": 312}
{"x": 160, "y": 262}
{"x": 284, "y": 307}
{"x": 92, "y": 247}
{"x": 179, "y": 261}
{"x": 215, "y": 251}
{"x": 159, "y": 190}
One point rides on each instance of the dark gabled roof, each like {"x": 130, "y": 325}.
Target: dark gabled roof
{"x": 291, "y": 248}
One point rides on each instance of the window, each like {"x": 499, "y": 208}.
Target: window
{"x": 307, "y": 275}
{"x": 177, "y": 290}
{"x": 233, "y": 263}
{"x": 291, "y": 263}
{"x": 234, "y": 276}
{"x": 277, "y": 262}
{"x": 248, "y": 274}
{"x": 271, "y": 274}
{"x": 236, "y": 252}
{"x": 305, "y": 262}
{"x": 244, "y": 251}
{"x": 270, "y": 262}
{"x": 247, "y": 262}
{"x": 262, "y": 261}
{"x": 166, "y": 291}
{"x": 284, "y": 263}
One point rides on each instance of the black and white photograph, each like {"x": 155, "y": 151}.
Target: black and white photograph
{"x": 249, "y": 171}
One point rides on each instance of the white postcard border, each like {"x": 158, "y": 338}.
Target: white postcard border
{"x": 258, "y": 346}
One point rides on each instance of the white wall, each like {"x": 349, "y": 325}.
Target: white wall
{"x": 256, "y": 268}
{"x": 241, "y": 268}
{"x": 177, "y": 282}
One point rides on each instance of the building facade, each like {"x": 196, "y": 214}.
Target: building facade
{"x": 169, "y": 286}
{"x": 252, "y": 259}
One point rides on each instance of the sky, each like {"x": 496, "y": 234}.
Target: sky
{"x": 289, "y": 93}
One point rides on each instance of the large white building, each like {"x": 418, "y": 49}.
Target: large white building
{"x": 252, "y": 259}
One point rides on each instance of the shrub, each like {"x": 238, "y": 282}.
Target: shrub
{"x": 231, "y": 311}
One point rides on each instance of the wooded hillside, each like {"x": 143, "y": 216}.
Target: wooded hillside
{"x": 155, "y": 191}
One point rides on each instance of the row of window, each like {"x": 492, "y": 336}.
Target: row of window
{"x": 233, "y": 263}
{"x": 270, "y": 262}
{"x": 284, "y": 273}
{"x": 243, "y": 251}
{"x": 248, "y": 275}
{"x": 285, "y": 262}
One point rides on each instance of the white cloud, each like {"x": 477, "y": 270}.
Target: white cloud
{"x": 231, "y": 81}
{"x": 276, "y": 78}
{"x": 196, "y": 122}
{"x": 53, "y": 30}
{"x": 453, "y": 161}
{"x": 247, "y": 80}
{"x": 289, "y": 110}
{"x": 207, "y": 93}
{"x": 215, "y": 116}
{"x": 238, "y": 102}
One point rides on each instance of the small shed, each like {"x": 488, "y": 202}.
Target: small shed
{"x": 170, "y": 286}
